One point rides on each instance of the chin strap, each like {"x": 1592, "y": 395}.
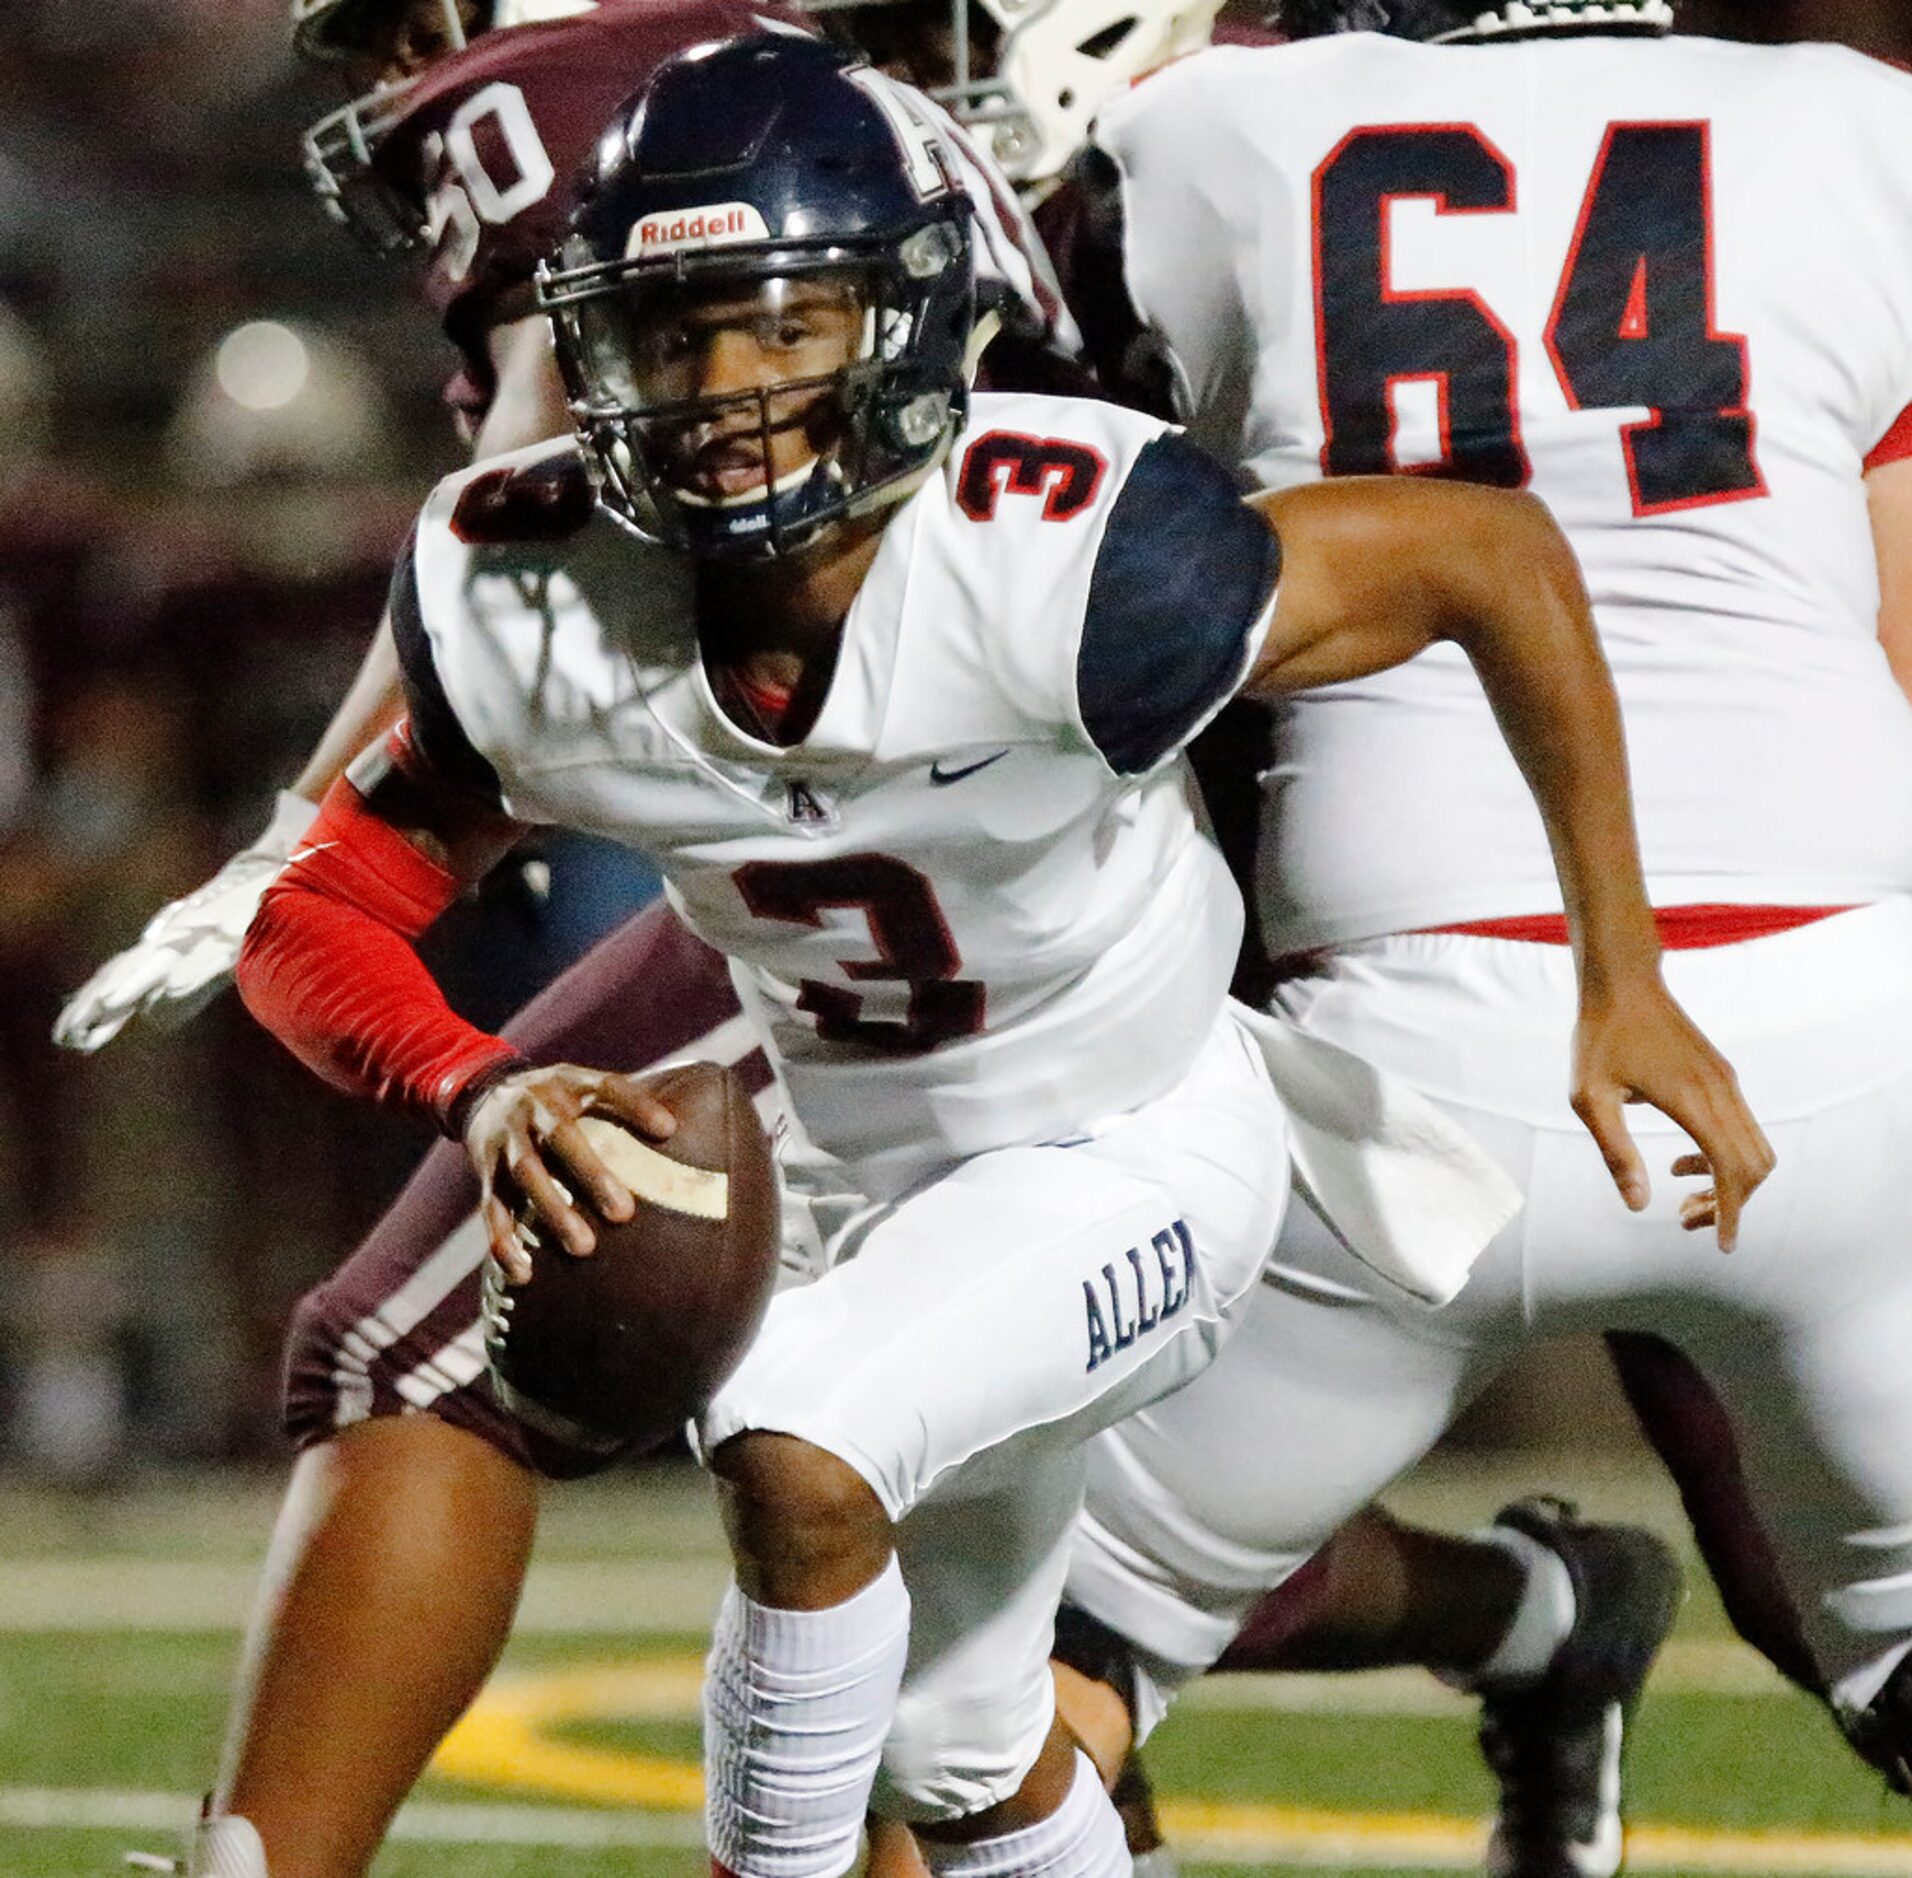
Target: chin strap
{"x": 988, "y": 325}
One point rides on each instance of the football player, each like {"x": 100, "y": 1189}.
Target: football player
{"x": 454, "y": 150}
{"x": 452, "y": 153}
{"x": 831, "y": 637}
{"x": 1552, "y": 247}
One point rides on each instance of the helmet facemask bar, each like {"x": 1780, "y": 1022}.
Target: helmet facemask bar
{"x": 370, "y": 35}
{"x": 786, "y": 512}
{"x": 1469, "y": 22}
{"x": 338, "y": 152}
{"x": 370, "y": 32}
{"x": 716, "y": 473}
{"x": 960, "y": 71}
{"x": 1027, "y": 76}
{"x": 977, "y": 96}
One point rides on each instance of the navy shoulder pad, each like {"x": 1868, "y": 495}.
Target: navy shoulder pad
{"x": 549, "y": 500}
{"x": 1184, "y": 571}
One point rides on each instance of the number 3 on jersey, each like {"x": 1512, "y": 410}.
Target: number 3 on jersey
{"x": 908, "y": 930}
{"x": 1633, "y": 320}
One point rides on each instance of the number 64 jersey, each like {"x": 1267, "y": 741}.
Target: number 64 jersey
{"x": 973, "y": 907}
{"x": 1666, "y": 285}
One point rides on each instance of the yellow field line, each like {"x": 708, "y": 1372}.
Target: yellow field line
{"x": 504, "y": 1742}
{"x": 501, "y": 1741}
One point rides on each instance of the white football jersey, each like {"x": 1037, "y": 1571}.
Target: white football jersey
{"x": 1665, "y": 284}
{"x": 973, "y": 907}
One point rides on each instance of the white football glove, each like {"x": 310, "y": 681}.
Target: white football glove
{"x": 185, "y": 957}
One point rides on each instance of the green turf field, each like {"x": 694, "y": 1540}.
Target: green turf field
{"x": 119, "y": 1622}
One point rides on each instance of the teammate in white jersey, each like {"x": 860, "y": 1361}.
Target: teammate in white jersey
{"x": 928, "y": 668}
{"x": 1586, "y": 263}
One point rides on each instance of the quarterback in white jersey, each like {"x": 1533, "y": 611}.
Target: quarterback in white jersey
{"x": 1588, "y": 264}
{"x": 954, "y": 729}
{"x": 893, "y": 686}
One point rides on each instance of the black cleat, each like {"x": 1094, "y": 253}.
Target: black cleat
{"x": 1881, "y": 1732}
{"x": 1134, "y": 1799}
{"x": 1555, "y": 1745}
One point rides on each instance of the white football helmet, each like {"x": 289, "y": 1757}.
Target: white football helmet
{"x": 338, "y": 147}
{"x": 1058, "y": 63}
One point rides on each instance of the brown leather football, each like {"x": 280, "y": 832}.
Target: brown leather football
{"x": 618, "y": 1350}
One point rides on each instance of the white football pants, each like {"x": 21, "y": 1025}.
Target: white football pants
{"x": 1331, "y": 1387}
{"x": 966, "y": 1340}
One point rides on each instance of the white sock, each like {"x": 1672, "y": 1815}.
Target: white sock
{"x": 1082, "y": 1838}
{"x": 1541, "y": 1620}
{"x": 227, "y": 1846}
{"x": 796, "y": 1705}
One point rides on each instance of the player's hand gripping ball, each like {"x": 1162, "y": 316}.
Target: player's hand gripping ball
{"x": 619, "y": 1349}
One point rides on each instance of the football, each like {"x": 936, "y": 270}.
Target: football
{"x": 617, "y": 1351}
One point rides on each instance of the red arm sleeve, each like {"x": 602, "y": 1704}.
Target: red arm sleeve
{"x": 329, "y": 969}
{"x": 1895, "y": 446}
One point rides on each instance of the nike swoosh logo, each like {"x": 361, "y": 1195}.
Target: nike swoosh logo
{"x": 941, "y": 777}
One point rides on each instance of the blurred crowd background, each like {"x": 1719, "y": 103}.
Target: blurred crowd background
{"x": 216, "y": 417}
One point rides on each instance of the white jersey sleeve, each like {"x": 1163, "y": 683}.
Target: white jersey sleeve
{"x": 537, "y": 637}
{"x": 1666, "y": 285}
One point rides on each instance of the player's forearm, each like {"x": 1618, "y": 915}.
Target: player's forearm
{"x": 374, "y": 704}
{"x": 1522, "y": 617}
{"x": 329, "y": 969}
{"x": 528, "y": 405}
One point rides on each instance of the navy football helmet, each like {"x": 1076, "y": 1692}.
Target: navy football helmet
{"x": 1455, "y": 22}
{"x": 766, "y": 307}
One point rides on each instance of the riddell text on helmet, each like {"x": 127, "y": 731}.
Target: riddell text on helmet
{"x": 709, "y": 227}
